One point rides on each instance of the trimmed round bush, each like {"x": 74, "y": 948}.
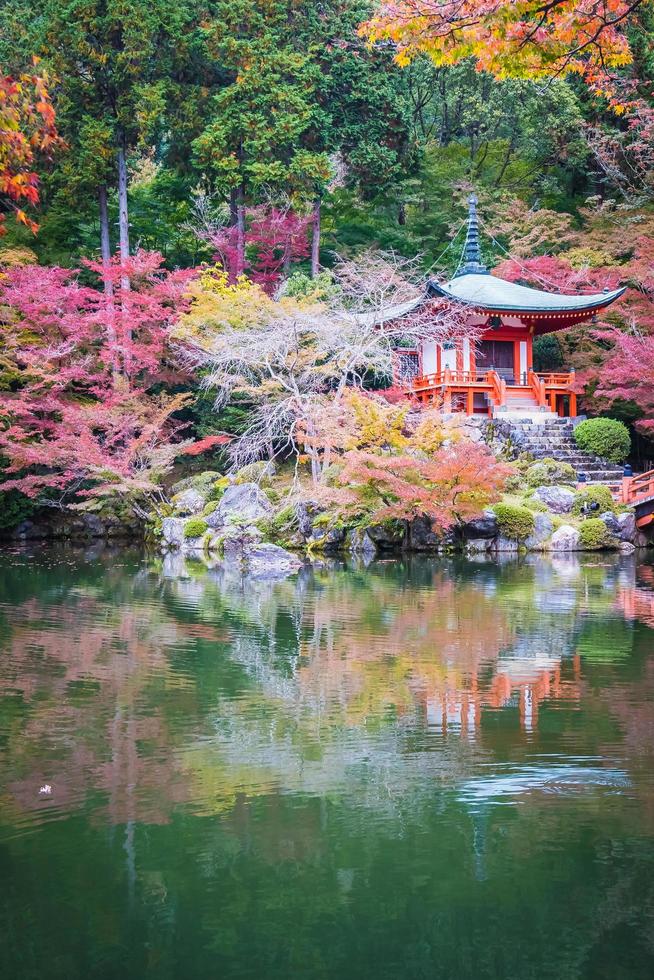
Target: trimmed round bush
{"x": 595, "y": 535}
{"x": 599, "y": 495}
{"x": 607, "y": 438}
{"x": 195, "y": 528}
{"x": 514, "y": 522}
{"x": 548, "y": 472}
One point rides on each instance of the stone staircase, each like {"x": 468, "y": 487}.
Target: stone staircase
{"x": 553, "y": 437}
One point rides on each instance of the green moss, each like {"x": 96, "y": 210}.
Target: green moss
{"x": 279, "y": 526}
{"x": 599, "y": 495}
{"x": 209, "y": 508}
{"x": 203, "y": 482}
{"x": 535, "y": 506}
{"x": 548, "y": 472}
{"x": 219, "y": 487}
{"x": 195, "y": 528}
{"x": 607, "y": 438}
{"x": 595, "y": 535}
{"x": 515, "y": 522}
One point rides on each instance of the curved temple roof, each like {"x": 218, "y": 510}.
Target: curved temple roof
{"x": 487, "y": 292}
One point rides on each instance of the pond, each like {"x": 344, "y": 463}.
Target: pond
{"x": 415, "y": 769}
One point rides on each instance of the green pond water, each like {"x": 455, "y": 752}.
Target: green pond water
{"x": 418, "y": 769}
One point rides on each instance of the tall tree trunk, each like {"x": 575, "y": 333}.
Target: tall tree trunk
{"x": 315, "y": 238}
{"x": 240, "y": 232}
{"x": 123, "y": 213}
{"x": 233, "y": 207}
{"x": 105, "y": 251}
{"x": 123, "y": 228}
{"x": 401, "y": 213}
{"x": 105, "y": 240}
{"x": 286, "y": 264}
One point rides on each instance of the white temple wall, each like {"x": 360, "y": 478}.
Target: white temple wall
{"x": 429, "y": 357}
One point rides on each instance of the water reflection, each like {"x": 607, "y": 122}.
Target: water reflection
{"x": 136, "y": 690}
{"x": 417, "y": 769}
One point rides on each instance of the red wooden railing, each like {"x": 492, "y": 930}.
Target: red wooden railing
{"x": 635, "y": 488}
{"x": 557, "y": 379}
{"x": 537, "y": 385}
{"x": 498, "y": 388}
{"x": 546, "y": 387}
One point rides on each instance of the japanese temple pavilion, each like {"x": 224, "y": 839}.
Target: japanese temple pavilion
{"x": 497, "y": 375}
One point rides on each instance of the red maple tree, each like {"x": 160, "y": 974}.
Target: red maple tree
{"x": 87, "y": 411}
{"x": 452, "y": 486}
{"x": 27, "y": 129}
{"x": 272, "y": 240}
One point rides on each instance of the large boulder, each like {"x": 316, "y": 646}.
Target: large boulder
{"x": 557, "y": 499}
{"x": 542, "y": 531}
{"x": 360, "y": 543}
{"x": 565, "y": 538}
{"x": 627, "y": 525}
{"x": 328, "y": 539}
{"x": 477, "y": 546}
{"x": 611, "y": 521}
{"x": 422, "y": 537}
{"x": 389, "y": 535}
{"x": 502, "y": 543}
{"x": 189, "y": 501}
{"x": 244, "y": 502}
{"x": 172, "y": 533}
{"x": 485, "y": 526}
{"x": 622, "y": 526}
{"x": 306, "y": 512}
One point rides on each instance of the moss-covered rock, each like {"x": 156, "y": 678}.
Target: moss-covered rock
{"x": 515, "y": 522}
{"x": 548, "y": 471}
{"x": 196, "y": 527}
{"x": 594, "y": 535}
{"x": 203, "y": 482}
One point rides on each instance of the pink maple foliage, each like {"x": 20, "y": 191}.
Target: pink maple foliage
{"x": 86, "y": 411}
{"x": 620, "y": 365}
{"x": 273, "y": 239}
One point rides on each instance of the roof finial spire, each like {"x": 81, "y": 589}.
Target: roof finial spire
{"x": 472, "y": 252}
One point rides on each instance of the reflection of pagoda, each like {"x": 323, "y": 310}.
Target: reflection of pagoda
{"x": 498, "y": 375}
{"x": 521, "y": 681}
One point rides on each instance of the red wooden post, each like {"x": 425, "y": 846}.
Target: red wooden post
{"x": 573, "y": 405}
{"x": 470, "y": 406}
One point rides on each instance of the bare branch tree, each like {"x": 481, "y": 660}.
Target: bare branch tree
{"x": 300, "y": 359}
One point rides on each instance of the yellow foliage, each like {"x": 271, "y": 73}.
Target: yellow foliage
{"x": 433, "y": 431}
{"x": 217, "y": 304}
{"x": 19, "y": 255}
{"x": 376, "y": 425}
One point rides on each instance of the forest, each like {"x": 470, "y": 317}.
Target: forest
{"x": 180, "y": 181}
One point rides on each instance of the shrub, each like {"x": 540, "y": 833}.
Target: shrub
{"x": 607, "y": 438}
{"x": 599, "y": 495}
{"x": 195, "y": 528}
{"x": 595, "y": 535}
{"x": 514, "y": 521}
{"x": 548, "y": 472}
